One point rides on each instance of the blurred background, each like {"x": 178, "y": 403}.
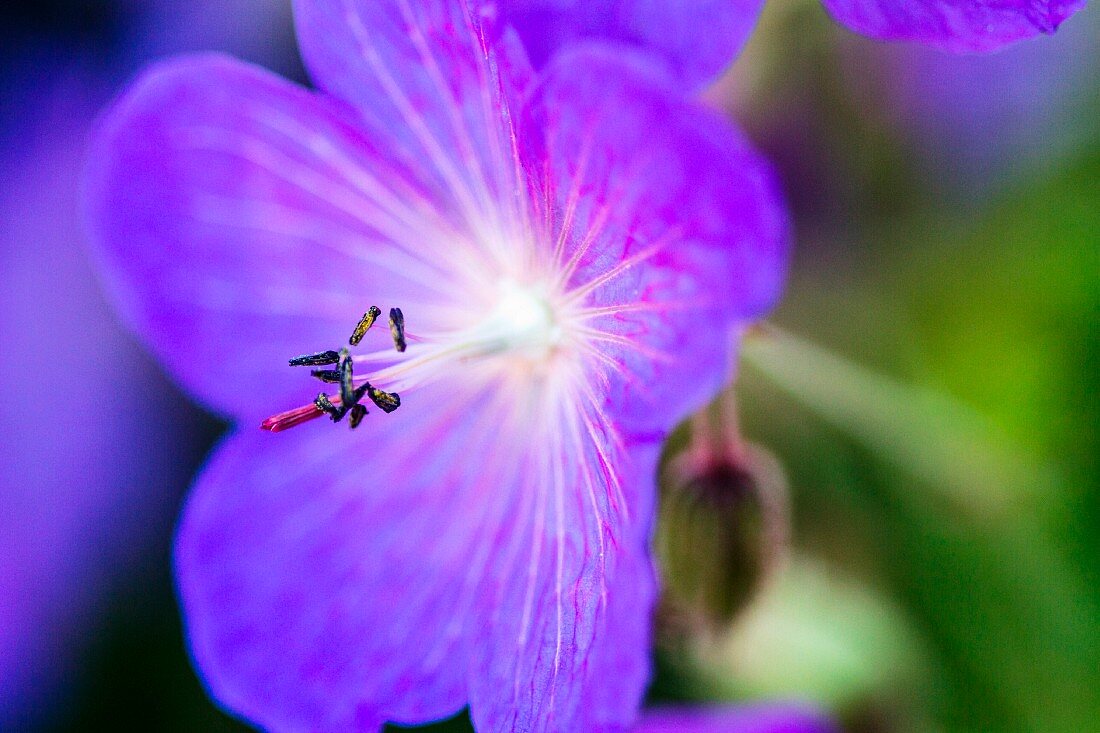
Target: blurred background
{"x": 924, "y": 408}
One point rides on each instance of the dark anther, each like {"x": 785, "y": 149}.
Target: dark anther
{"x": 364, "y": 325}
{"x": 386, "y": 401}
{"x": 357, "y": 414}
{"x": 347, "y": 391}
{"x": 325, "y": 405}
{"x": 319, "y": 359}
{"x": 329, "y": 376}
{"x": 397, "y": 328}
{"x": 360, "y": 391}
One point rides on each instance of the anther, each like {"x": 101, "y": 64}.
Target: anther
{"x": 319, "y": 359}
{"x": 364, "y": 325}
{"x": 357, "y": 414}
{"x": 329, "y": 376}
{"x": 359, "y": 392}
{"x": 397, "y": 328}
{"x": 347, "y": 391}
{"x": 324, "y": 404}
{"x": 386, "y": 401}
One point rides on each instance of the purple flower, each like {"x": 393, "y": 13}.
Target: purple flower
{"x": 954, "y": 25}
{"x": 573, "y": 253}
{"x": 760, "y": 718}
{"x": 696, "y": 39}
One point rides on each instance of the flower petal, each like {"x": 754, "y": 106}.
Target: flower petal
{"x": 330, "y": 578}
{"x": 675, "y": 229}
{"x": 327, "y": 590}
{"x": 422, "y": 71}
{"x": 791, "y": 717}
{"x": 696, "y": 39}
{"x": 618, "y": 668}
{"x": 242, "y": 220}
{"x": 675, "y": 224}
{"x": 86, "y": 489}
{"x": 955, "y": 25}
{"x": 570, "y": 605}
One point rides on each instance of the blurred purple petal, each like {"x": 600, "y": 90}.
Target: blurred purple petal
{"x": 79, "y": 501}
{"x": 978, "y": 121}
{"x": 759, "y": 718}
{"x": 324, "y": 592}
{"x": 98, "y": 474}
{"x": 696, "y": 39}
{"x": 954, "y": 25}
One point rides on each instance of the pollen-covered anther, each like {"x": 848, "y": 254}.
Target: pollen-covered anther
{"x": 328, "y": 376}
{"x": 324, "y": 404}
{"x": 364, "y": 325}
{"x": 321, "y": 358}
{"x": 397, "y": 328}
{"x": 386, "y": 401}
{"x": 357, "y": 414}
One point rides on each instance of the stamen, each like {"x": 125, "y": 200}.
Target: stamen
{"x": 386, "y": 401}
{"x": 348, "y": 400}
{"x": 329, "y": 376}
{"x": 364, "y": 325}
{"x": 324, "y": 404}
{"x": 319, "y": 359}
{"x": 397, "y": 328}
{"x": 347, "y": 392}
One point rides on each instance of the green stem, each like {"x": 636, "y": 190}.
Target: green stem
{"x": 920, "y": 430}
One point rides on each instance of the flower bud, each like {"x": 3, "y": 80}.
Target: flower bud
{"x": 722, "y": 531}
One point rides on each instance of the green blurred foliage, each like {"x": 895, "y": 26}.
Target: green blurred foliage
{"x": 985, "y": 320}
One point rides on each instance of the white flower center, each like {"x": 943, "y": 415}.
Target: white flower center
{"x": 522, "y": 323}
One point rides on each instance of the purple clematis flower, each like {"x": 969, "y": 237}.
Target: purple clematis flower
{"x": 760, "y": 718}
{"x": 954, "y": 25}
{"x": 573, "y": 253}
{"x": 696, "y": 39}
